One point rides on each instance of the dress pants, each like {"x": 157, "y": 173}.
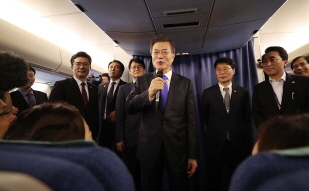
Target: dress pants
{"x": 107, "y": 137}
{"x": 152, "y": 178}
{"x": 220, "y": 168}
{"x": 133, "y": 165}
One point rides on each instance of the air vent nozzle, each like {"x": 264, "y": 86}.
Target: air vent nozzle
{"x": 80, "y": 7}
{"x": 180, "y": 12}
{"x": 178, "y": 25}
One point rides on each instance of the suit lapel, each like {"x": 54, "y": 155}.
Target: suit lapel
{"x": 287, "y": 90}
{"x": 117, "y": 88}
{"x": 268, "y": 90}
{"x": 219, "y": 99}
{"x": 172, "y": 92}
{"x": 234, "y": 98}
{"x": 37, "y": 97}
{"x": 76, "y": 92}
{"x": 23, "y": 100}
{"x": 91, "y": 93}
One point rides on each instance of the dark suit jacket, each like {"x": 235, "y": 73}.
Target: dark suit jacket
{"x": 295, "y": 99}
{"x": 127, "y": 126}
{"x": 68, "y": 91}
{"x": 102, "y": 101}
{"x": 175, "y": 127}
{"x": 238, "y": 121}
{"x": 19, "y": 101}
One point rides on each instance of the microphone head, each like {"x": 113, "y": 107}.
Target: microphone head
{"x": 160, "y": 74}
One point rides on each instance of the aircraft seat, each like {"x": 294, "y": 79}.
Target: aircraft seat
{"x": 103, "y": 164}
{"x": 276, "y": 170}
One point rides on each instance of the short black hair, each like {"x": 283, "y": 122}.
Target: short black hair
{"x": 106, "y": 75}
{"x": 80, "y": 54}
{"x": 137, "y": 60}
{"x": 14, "y": 71}
{"x": 32, "y": 69}
{"x": 282, "y": 52}
{"x": 225, "y": 60}
{"x": 117, "y": 61}
{"x": 161, "y": 38}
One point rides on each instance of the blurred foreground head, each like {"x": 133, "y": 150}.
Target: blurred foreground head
{"x": 291, "y": 131}
{"x": 14, "y": 71}
{"x": 49, "y": 122}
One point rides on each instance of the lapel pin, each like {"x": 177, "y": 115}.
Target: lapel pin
{"x": 234, "y": 90}
{"x": 293, "y": 82}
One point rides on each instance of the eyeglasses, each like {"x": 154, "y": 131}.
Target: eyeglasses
{"x": 136, "y": 67}
{"x": 164, "y": 52}
{"x": 223, "y": 69}
{"x": 303, "y": 64}
{"x": 79, "y": 64}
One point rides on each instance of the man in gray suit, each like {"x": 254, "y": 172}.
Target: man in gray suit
{"x": 127, "y": 126}
{"x": 168, "y": 133}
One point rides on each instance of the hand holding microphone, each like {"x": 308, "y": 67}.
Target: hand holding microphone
{"x": 156, "y": 85}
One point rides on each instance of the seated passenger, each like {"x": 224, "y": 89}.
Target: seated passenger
{"x": 300, "y": 65}
{"x": 5, "y": 116}
{"x": 13, "y": 74}
{"x": 283, "y": 133}
{"x": 49, "y": 122}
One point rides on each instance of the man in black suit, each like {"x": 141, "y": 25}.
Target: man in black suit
{"x": 229, "y": 137}
{"x": 282, "y": 93}
{"x": 78, "y": 92}
{"x": 168, "y": 133}
{"x": 107, "y": 103}
{"x": 25, "y": 97}
{"x": 127, "y": 126}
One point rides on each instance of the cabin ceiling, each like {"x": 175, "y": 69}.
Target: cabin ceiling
{"x": 197, "y": 26}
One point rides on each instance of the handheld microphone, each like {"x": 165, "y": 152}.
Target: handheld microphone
{"x": 159, "y": 74}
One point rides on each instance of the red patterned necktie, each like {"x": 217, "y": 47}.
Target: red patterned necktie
{"x": 84, "y": 94}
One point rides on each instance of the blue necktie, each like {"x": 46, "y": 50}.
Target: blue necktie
{"x": 30, "y": 100}
{"x": 164, "y": 92}
{"x": 110, "y": 99}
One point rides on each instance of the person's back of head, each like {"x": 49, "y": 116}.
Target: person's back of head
{"x": 278, "y": 133}
{"x": 14, "y": 71}
{"x": 48, "y": 122}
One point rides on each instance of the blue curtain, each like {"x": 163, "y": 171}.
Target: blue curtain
{"x": 200, "y": 70}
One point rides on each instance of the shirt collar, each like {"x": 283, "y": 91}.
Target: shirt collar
{"x": 229, "y": 86}
{"x": 24, "y": 93}
{"x": 117, "y": 81}
{"x": 283, "y": 77}
{"x": 79, "y": 81}
{"x": 168, "y": 74}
